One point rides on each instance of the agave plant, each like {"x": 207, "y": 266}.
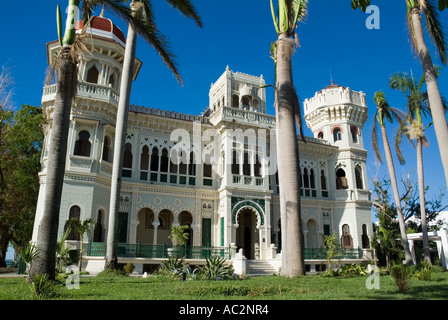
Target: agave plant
{"x": 216, "y": 268}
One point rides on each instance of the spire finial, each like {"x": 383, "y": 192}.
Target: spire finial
{"x": 102, "y": 11}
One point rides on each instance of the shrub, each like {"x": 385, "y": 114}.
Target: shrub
{"x": 216, "y": 269}
{"x": 424, "y": 272}
{"x": 129, "y": 268}
{"x": 401, "y": 274}
{"x": 41, "y": 287}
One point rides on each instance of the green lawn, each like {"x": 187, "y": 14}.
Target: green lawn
{"x": 311, "y": 287}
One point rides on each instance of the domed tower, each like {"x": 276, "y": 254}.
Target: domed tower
{"x": 337, "y": 114}
{"x": 92, "y": 122}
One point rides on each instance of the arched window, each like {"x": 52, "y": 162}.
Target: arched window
{"x": 246, "y": 164}
{"x": 98, "y": 232}
{"x": 320, "y": 135}
{"x": 354, "y": 132}
{"x": 92, "y": 75}
{"x": 207, "y": 168}
{"x": 127, "y": 159}
{"x": 346, "y": 238}
{"x": 144, "y": 158}
{"x": 257, "y": 166}
{"x": 341, "y": 180}
{"x": 75, "y": 213}
{"x": 164, "y": 161}
{"x": 174, "y": 161}
{"x": 323, "y": 180}
{"x": 246, "y": 102}
{"x": 365, "y": 238}
{"x": 155, "y": 159}
{"x": 82, "y": 145}
{"x": 306, "y": 179}
{"x": 192, "y": 165}
{"x": 337, "y": 134}
{"x": 106, "y": 149}
{"x": 112, "y": 80}
{"x": 312, "y": 182}
{"x": 235, "y": 101}
{"x": 358, "y": 178}
{"x": 235, "y": 163}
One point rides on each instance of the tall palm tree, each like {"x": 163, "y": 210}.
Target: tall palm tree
{"x": 143, "y": 24}
{"x": 66, "y": 78}
{"x": 417, "y": 105}
{"x": 385, "y": 112}
{"x": 66, "y": 73}
{"x": 415, "y": 9}
{"x": 289, "y": 14}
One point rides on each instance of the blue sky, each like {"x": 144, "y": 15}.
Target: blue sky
{"x": 237, "y": 33}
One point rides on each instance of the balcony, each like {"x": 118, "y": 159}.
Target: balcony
{"x": 88, "y": 91}
{"x": 242, "y": 116}
{"x": 248, "y": 180}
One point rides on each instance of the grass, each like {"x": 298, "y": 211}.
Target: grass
{"x": 311, "y": 287}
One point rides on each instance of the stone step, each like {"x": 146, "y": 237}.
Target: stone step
{"x": 259, "y": 268}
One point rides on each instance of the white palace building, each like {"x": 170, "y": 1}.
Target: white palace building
{"x": 214, "y": 172}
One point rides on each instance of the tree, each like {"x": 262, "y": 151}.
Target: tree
{"x": 289, "y": 14}
{"x": 385, "y": 112}
{"x": 415, "y": 9}
{"x": 143, "y": 24}
{"x": 417, "y": 106}
{"x": 81, "y": 227}
{"x": 21, "y": 138}
{"x": 66, "y": 74}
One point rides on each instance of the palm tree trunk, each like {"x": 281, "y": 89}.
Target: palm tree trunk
{"x": 120, "y": 139}
{"x": 288, "y": 164}
{"x": 435, "y": 100}
{"x": 45, "y": 262}
{"x": 421, "y": 190}
{"x": 390, "y": 165}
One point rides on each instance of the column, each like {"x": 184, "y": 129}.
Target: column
{"x": 155, "y": 225}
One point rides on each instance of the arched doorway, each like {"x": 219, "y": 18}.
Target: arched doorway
{"x": 185, "y": 218}
{"x": 247, "y": 232}
{"x": 311, "y": 236}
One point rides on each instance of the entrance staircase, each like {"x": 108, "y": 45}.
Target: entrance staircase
{"x": 259, "y": 268}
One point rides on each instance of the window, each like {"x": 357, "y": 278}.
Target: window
{"x": 337, "y": 134}
{"x": 246, "y": 164}
{"x": 207, "y": 167}
{"x": 354, "y": 132}
{"x": 75, "y": 213}
{"x": 306, "y": 182}
{"x": 92, "y": 75}
{"x": 127, "y": 159}
{"x": 346, "y": 238}
{"x": 341, "y": 180}
{"x": 174, "y": 161}
{"x": 106, "y": 149}
{"x": 155, "y": 159}
{"x": 98, "y": 232}
{"x": 235, "y": 101}
{"x": 235, "y": 163}
{"x": 82, "y": 145}
{"x": 164, "y": 161}
{"x": 257, "y": 166}
{"x": 192, "y": 165}
{"x": 323, "y": 180}
{"x": 358, "y": 178}
{"x": 112, "y": 80}
{"x": 320, "y": 135}
{"x": 365, "y": 237}
{"x": 144, "y": 159}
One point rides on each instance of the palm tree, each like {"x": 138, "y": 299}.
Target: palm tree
{"x": 417, "y": 105}
{"x": 66, "y": 78}
{"x": 289, "y": 14}
{"x": 142, "y": 23}
{"x": 66, "y": 73}
{"x": 385, "y": 112}
{"x": 81, "y": 227}
{"x": 415, "y": 9}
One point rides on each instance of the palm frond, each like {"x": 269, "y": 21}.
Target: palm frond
{"x": 435, "y": 29}
{"x": 375, "y": 138}
{"x": 187, "y": 9}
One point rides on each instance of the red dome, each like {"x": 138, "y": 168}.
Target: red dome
{"x": 104, "y": 28}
